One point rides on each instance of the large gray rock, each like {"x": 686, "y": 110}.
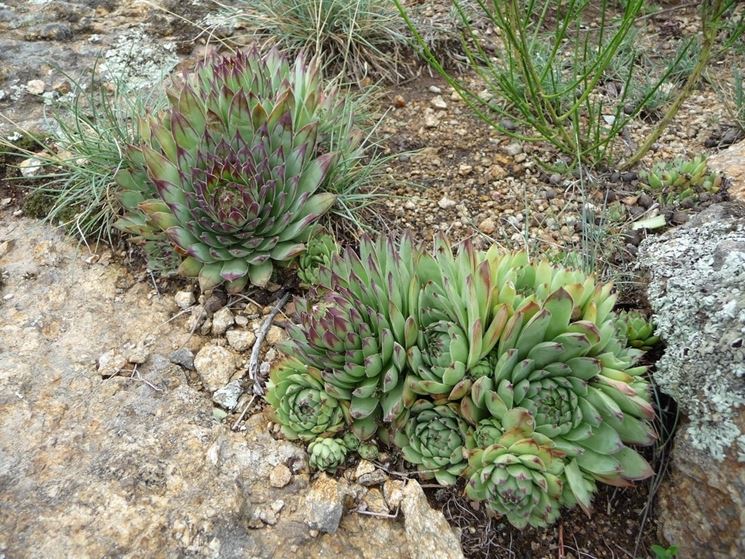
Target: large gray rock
{"x": 697, "y": 293}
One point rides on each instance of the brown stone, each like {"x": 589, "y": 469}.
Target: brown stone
{"x": 703, "y": 502}
{"x": 280, "y": 476}
{"x": 731, "y": 163}
{"x": 127, "y": 467}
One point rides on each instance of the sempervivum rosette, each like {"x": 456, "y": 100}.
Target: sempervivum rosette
{"x": 434, "y": 439}
{"x": 233, "y": 169}
{"x": 301, "y": 405}
{"x": 327, "y": 454}
{"x": 520, "y": 475}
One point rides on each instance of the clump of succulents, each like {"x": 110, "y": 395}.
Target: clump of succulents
{"x": 357, "y": 334}
{"x": 327, "y": 454}
{"x": 680, "y": 180}
{"x": 484, "y": 365}
{"x": 639, "y": 332}
{"x": 365, "y": 450}
{"x": 232, "y": 173}
{"x": 319, "y": 252}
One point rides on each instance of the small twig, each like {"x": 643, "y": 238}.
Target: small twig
{"x": 245, "y": 409}
{"x": 561, "y": 541}
{"x": 155, "y": 284}
{"x": 253, "y": 363}
{"x": 378, "y": 514}
{"x": 175, "y": 316}
{"x": 136, "y": 376}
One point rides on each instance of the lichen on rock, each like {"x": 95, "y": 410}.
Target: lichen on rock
{"x": 697, "y": 293}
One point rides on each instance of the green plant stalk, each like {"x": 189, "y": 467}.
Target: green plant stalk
{"x": 711, "y": 15}
{"x": 536, "y": 106}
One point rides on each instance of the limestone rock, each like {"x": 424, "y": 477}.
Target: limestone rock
{"x": 430, "y": 119}
{"x": 110, "y": 363}
{"x": 196, "y": 319}
{"x": 184, "y": 299}
{"x": 374, "y": 502}
{"x": 488, "y": 226}
{"x": 428, "y": 533}
{"x": 227, "y": 396}
{"x": 393, "y": 491}
{"x": 731, "y": 163}
{"x": 31, "y": 167}
{"x": 275, "y": 335}
{"x": 325, "y": 505}
{"x": 240, "y": 340}
{"x": 36, "y": 87}
{"x": 697, "y": 293}
{"x": 363, "y": 468}
{"x": 215, "y": 364}
{"x": 280, "y": 476}
{"x": 439, "y": 103}
{"x": 221, "y": 321}
{"x": 446, "y": 203}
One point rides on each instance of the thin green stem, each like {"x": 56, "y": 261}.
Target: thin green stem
{"x": 711, "y": 13}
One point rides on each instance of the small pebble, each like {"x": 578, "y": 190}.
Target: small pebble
{"x": 488, "y": 226}
{"x": 446, "y": 203}
{"x": 439, "y": 103}
{"x": 430, "y": 120}
{"x": 240, "y": 340}
{"x": 514, "y": 149}
{"x": 464, "y": 170}
{"x": 183, "y": 357}
{"x": 35, "y": 87}
{"x": 280, "y": 476}
{"x": 184, "y": 299}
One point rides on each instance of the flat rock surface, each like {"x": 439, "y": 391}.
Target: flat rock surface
{"x": 134, "y": 465}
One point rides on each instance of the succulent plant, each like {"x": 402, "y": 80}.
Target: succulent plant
{"x": 319, "y": 252}
{"x": 327, "y": 454}
{"x": 519, "y": 369}
{"x": 557, "y": 357}
{"x": 302, "y": 407}
{"x": 351, "y": 441}
{"x": 368, "y": 451}
{"x": 639, "y": 332}
{"x": 550, "y": 346}
{"x": 357, "y": 334}
{"x": 519, "y": 476}
{"x": 679, "y": 180}
{"x": 487, "y": 432}
{"x": 439, "y": 359}
{"x": 434, "y": 439}
{"x": 233, "y": 169}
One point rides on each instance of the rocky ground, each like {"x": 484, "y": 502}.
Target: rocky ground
{"x": 110, "y": 444}
{"x": 121, "y": 399}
